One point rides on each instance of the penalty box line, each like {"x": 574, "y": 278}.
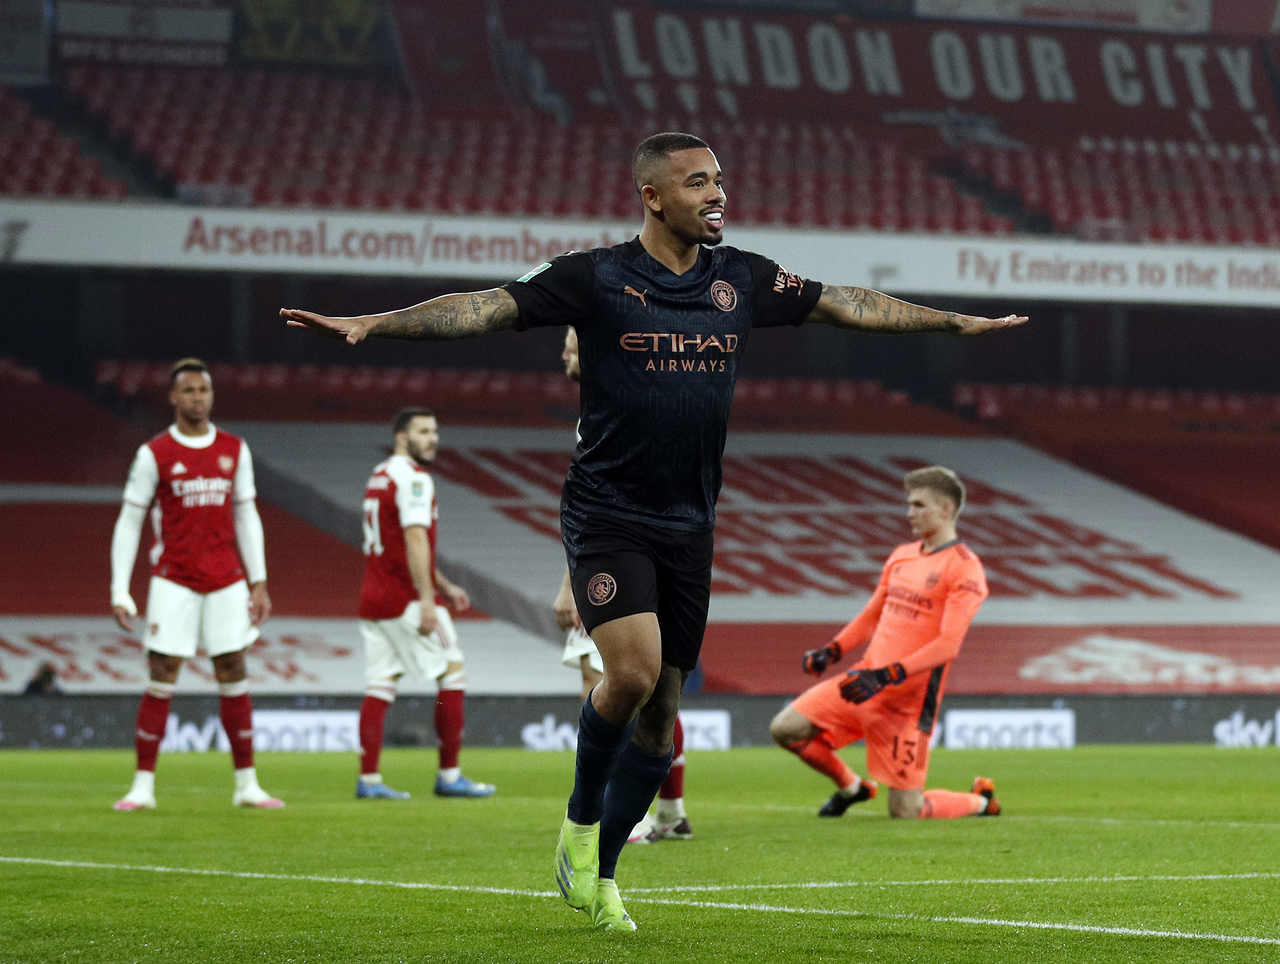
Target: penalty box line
{"x": 657, "y": 901}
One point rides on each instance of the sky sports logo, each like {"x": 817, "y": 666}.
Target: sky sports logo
{"x": 1009, "y": 729}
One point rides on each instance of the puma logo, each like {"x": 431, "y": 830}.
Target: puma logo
{"x": 628, "y": 290}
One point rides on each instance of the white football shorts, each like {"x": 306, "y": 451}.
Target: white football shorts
{"x": 578, "y": 644}
{"x": 393, "y": 647}
{"x": 180, "y": 620}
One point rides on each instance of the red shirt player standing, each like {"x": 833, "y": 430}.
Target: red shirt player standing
{"x": 198, "y": 482}
{"x": 404, "y": 608}
{"x": 913, "y": 625}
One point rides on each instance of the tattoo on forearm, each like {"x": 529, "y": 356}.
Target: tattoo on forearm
{"x": 874, "y": 311}
{"x": 452, "y": 316}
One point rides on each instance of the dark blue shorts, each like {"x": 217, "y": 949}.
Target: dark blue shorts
{"x": 620, "y": 568}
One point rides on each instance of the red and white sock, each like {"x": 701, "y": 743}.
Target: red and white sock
{"x": 236, "y": 710}
{"x": 671, "y": 796}
{"x": 449, "y": 720}
{"x": 153, "y": 717}
{"x": 373, "y": 717}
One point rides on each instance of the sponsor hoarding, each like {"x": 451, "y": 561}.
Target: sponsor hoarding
{"x": 1001, "y": 729}
{"x": 491, "y": 248}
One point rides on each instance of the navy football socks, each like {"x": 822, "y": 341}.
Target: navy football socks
{"x": 599, "y": 745}
{"x": 636, "y": 780}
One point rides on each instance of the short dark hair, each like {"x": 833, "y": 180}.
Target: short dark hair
{"x": 407, "y": 415}
{"x": 656, "y": 147}
{"x": 189, "y": 364}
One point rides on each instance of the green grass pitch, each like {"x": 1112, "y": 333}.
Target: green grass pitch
{"x": 1103, "y": 854}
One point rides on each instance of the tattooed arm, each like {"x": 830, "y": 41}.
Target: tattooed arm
{"x": 446, "y": 317}
{"x": 844, "y": 306}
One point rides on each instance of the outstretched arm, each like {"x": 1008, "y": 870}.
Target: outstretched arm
{"x": 448, "y": 316}
{"x": 844, "y": 306}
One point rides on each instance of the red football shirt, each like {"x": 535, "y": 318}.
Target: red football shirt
{"x": 400, "y": 494}
{"x": 191, "y": 484}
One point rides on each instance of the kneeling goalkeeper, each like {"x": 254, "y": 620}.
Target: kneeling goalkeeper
{"x": 928, "y": 594}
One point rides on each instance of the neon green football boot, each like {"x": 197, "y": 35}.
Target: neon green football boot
{"x": 578, "y": 862}
{"x": 607, "y": 912}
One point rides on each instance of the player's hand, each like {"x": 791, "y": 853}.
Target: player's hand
{"x": 816, "y": 661}
{"x": 259, "y": 604}
{"x": 566, "y": 610}
{"x": 862, "y": 684}
{"x": 458, "y": 599}
{"x": 124, "y": 610}
{"x": 977, "y": 325}
{"x": 352, "y": 330}
{"x": 427, "y": 618}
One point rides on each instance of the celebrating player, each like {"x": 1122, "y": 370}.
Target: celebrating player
{"x": 200, "y": 480}
{"x": 661, "y": 321}
{"x": 914, "y": 623}
{"x": 404, "y": 608}
{"x": 670, "y": 822}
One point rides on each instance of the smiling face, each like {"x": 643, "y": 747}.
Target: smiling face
{"x": 686, "y": 193}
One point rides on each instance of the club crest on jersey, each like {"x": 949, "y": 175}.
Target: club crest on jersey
{"x": 723, "y": 296}
{"x": 932, "y": 580}
{"x": 226, "y": 463}
{"x": 601, "y": 589}
{"x": 179, "y": 468}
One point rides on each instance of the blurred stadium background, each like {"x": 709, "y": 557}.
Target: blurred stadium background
{"x": 173, "y": 172}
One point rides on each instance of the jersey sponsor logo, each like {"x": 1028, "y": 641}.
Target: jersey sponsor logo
{"x": 601, "y": 588}
{"x": 723, "y": 296}
{"x": 677, "y": 342}
{"x": 785, "y": 281}
{"x": 628, "y": 290}
{"x": 201, "y": 491}
{"x": 226, "y": 463}
{"x": 178, "y": 468}
{"x": 534, "y": 272}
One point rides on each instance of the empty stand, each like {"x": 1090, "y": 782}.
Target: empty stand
{"x": 1212, "y": 454}
{"x": 37, "y": 160}
{"x": 1102, "y": 188}
{"x": 317, "y": 140}
{"x": 341, "y": 393}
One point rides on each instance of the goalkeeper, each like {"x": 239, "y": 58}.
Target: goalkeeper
{"x": 929, "y": 592}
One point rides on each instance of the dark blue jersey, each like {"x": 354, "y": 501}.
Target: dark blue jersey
{"x": 659, "y": 355}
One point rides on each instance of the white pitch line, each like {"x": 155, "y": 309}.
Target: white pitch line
{"x": 1019, "y": 881}
{"x": 708, "y": 905}
{"x": 981, "y": 921}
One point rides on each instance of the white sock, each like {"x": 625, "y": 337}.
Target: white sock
{"x": 144, "y": 784}
{"x": 371, "y": 778}
{"x": 246, "y": 779}
{"x": 852, "y": 788}
{"x": 671, "y": 811}
{"x": 450, "y": 774}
